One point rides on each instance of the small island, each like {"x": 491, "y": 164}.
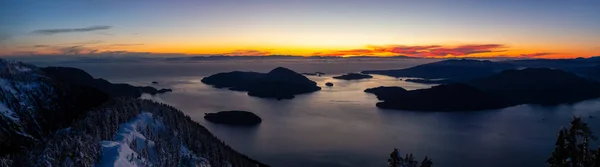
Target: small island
{"x": 329, "y": 84}
{"x": 280, "y": 83}
{"x": 238, "y": 118}
{"x": 353, "y": 76}
{"x": 314, "y": 73}
{"x": 152, "y": 90}
{"x": 154, "y": 82}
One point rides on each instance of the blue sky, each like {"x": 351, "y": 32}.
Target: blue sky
{"x": 571, "y": 28}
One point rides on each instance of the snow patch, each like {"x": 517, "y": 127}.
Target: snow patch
{"x": 119, "y": 151}
{"x": 8, "y": 113}
{"x": 7, "y": 86}
{"x": 22, "y": 69}
{"x": 129, "y": 143}
{"x": 18, "y": 89}
{"x": 193, "y": 159}
{"x": 24, "y": 134}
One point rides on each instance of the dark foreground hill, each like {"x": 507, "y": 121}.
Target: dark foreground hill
{"x": 511, "y": 87}
{"x": 45, "y": 121}
{"x": 279, "y": 83}
{"x": 34, "y": 105}
{"x": 133, "y": 132}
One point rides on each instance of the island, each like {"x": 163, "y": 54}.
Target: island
{"x": 238, "y": 118}
{"x": 541, "y": 86}
{"x": 314, "y": 73}
{"x": 329, "y": 84}
{"x": 154, "y": 82}
{"x": 279, "y": 83}
{"x": 353, "y": 76}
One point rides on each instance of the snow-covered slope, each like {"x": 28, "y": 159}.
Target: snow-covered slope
{"x": 130, "y": 146}
{"x": 18, "y": 82}
{"x": 33, "y": 105}
{"x": 47, "y": 122}
{"x": 135, "y": 132}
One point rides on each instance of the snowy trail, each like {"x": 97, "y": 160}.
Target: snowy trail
{"x": 119, "y": 152}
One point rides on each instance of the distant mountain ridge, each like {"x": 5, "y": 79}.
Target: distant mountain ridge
{"x": 588, "y": 67}
{"x": 454, "y": 69}
{"x": 539, "y": 86}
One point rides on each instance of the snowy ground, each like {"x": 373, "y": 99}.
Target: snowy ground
{"x": 121, "y": 151}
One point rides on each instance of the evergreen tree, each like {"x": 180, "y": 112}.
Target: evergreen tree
{"x": 572, "y": 147}
{"x": 408, "y": 161}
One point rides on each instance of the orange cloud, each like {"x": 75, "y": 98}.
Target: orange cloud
{"x": 247, "y": 53}
{"x": 465, "y": 50}
{"x": 536, "y": 54}
{"x": 420, "y": 51}
{"x": 401, "y": 49}
{"x": 345, "y": 52}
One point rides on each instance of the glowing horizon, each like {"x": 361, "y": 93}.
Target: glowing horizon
{"x": 533, "y": 29}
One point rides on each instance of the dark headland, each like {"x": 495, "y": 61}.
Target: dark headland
{"x": 353, "y": 76}
{"x": 79, "y": 77}
{"x": 279, "y": 83}
{"x": 430, "y": 81}
{"x": 385, "y": 93}
{"x": 542, "y": 86}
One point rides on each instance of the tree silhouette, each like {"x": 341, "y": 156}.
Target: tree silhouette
{"x": 408, "y": 161}
{"x": 572, "y": 147}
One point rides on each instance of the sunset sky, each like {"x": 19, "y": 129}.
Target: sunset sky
{"x": 431, "y": 28}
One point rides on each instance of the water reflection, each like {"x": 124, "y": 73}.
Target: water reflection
{"x": 340, "y": 126}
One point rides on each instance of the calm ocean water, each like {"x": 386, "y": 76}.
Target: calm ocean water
{"x": 340, "y": 126}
